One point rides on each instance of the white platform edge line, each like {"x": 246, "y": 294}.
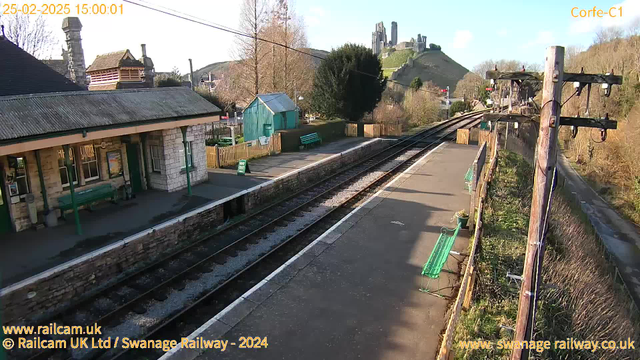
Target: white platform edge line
{"x": 256, "y": 287}
{"x": 13, "y": 287}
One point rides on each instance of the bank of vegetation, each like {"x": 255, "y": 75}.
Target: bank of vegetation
{"x": 580, "y": 298}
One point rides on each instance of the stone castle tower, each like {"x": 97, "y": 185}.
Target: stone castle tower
{"x": 394, "y": 34}
{"x": 77, "y": 70}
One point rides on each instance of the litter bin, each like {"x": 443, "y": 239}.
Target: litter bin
{"x": 33, "y": 211}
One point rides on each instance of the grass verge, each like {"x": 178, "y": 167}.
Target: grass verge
{"x": 581, "y": 298}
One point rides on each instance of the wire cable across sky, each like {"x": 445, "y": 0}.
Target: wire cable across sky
{"x": 203, "y": 22}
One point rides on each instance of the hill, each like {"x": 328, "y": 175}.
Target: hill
{"x": 431, "y": 65}
{"x": 217, "y": 69}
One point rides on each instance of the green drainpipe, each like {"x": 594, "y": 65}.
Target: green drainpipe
{"x": 186, "y": 158}
{"x": 69, "y": 166}
{"x": 43, "y": 187}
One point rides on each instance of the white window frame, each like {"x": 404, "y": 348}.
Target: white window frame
{"x": 156, "y": 155}
{"x": 73, "y": 164}
{"x": 95, "y": 160}
{"x": 189, "y": 154}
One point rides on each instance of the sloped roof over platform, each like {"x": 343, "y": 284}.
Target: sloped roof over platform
{"x": 26, "y": 116}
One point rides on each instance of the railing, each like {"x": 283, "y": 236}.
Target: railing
{"x": 218, "y": 157}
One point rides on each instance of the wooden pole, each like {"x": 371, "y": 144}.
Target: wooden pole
{"x": 544, "y": 169}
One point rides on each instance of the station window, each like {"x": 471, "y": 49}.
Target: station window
{"x": 89, "y": 162}
{"x": 64, "y": 174}
{"x": 189, "y": 156}
{"x": 156, "y": 158}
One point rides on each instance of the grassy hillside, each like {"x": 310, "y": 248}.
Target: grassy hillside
{"x": 397, "y": 58}
{"x": 435, "y": 66}
{"x": 611, "y": 167}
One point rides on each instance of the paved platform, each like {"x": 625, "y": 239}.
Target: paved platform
{"x": 30, "y": 252}
{"x": 354, "y": 292}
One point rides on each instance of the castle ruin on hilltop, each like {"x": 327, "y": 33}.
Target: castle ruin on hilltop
{"x": 379, "y": 40}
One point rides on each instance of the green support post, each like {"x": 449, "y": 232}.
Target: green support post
{"x": 147, "y": 176}
{"x": 186, "y": 158}
{"x": 69, "y": 166}
{"x": 43, "y": 187}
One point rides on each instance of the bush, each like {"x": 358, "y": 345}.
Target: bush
{"x": 169, "y": 82}
{"x": 459, "y": 106}
{"x": 416, "y": 83}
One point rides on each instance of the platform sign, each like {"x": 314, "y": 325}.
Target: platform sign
{"x": 243, "y": 167}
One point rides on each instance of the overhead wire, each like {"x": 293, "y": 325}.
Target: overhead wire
{"x": 200, "y": 21}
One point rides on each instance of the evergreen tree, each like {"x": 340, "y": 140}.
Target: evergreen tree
{"x": 348, "y": 83}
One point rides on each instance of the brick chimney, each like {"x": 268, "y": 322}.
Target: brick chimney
{"x": 149, "y": 71}
{"x": 77, "y": 70}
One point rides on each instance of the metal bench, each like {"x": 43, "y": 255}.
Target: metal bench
{"x": 433, "y": 267}
{"x": 310, "y": 139}
{"x": 88, "y": 197}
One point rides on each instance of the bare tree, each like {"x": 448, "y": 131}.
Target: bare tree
{"x": 30, "y": 33}
{"x": 608, "y": 34}
{"x": 250, "y": 50}
{"x": 470, "y": 86}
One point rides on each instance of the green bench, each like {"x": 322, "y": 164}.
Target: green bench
{"x": 433, "y": 267}
{"x": 88, "y": 197}
{"x": 310, "y": 139}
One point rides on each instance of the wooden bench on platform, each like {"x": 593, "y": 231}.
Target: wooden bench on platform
{"x": 310, "y": 139}
{"x": 88, "y": 197}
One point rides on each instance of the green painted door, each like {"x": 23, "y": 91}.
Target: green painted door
{"x": 5, "y": 219}
{"x": 134, "y": 168}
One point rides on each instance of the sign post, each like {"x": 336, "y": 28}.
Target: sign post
{"x": 243, "y": 167}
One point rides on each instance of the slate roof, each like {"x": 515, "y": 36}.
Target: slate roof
{"x": 21, "y": 73}
{"x": 277, "y": 102}
{"x": 31, "y": 116}
{"x": 61, "y": 66}
{"x": 113, "y": 60}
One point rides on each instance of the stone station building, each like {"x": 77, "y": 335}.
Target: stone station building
{"x": 132, "y": 140}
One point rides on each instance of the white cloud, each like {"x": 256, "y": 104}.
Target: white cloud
{"x": 502, "y": 32}
{"x": 630, "y": 13}
{"x": 462, "y": 38}
{"x": 544, "y": 38}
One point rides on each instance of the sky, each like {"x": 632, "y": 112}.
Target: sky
{"x": 469, "y": 31}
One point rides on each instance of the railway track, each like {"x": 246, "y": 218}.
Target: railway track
{"x": 169, "y": 297}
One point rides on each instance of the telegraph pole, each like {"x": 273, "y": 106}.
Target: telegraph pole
{"x": 545, "y": 164}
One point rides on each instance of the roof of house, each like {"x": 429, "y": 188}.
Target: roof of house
{"x": 61, "y": 66}
{"x": 32, "y": 116}
{"x": 277, "y": 102}
{"x": 22, "y": 73}
{"x": 122, "y": 58}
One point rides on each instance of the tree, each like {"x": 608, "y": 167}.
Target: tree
{"x": 433, "y": 46}
{"x": 30, "y": 33}
{"x": 416, "y": 84}
{"x": 459, "y": 106}
{"x": 471, "y": 86}
{"x": 422, "y": 107}
{"x": 168, "y": 79}
{"x": 348, "y": 83}
{"x": 249, "y": 49}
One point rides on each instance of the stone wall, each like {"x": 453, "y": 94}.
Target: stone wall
{"x": 57, "y": 288}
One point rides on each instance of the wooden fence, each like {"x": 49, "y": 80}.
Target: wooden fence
{"x": 468, "y": 280}
{"x": 218, "y": 157}
{"x": 351, "y": 130}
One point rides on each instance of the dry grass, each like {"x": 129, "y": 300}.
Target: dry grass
{"x": 581, "y": 298}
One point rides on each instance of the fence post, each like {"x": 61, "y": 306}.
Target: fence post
{"x": 217, "y": 151}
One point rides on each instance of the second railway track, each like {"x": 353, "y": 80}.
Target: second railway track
{"x": 167, "y": 294}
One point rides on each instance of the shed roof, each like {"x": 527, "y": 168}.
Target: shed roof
{"x": 277, "y": 102}
{"x": 21, "y": 73}
{"x": 122, "y": 58}
{"x": 27, "y": 116}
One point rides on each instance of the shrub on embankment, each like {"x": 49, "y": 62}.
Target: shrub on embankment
{"x": 580, "y": 298}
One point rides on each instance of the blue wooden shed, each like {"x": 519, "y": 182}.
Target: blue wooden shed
{"x": 268, "y": 113}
